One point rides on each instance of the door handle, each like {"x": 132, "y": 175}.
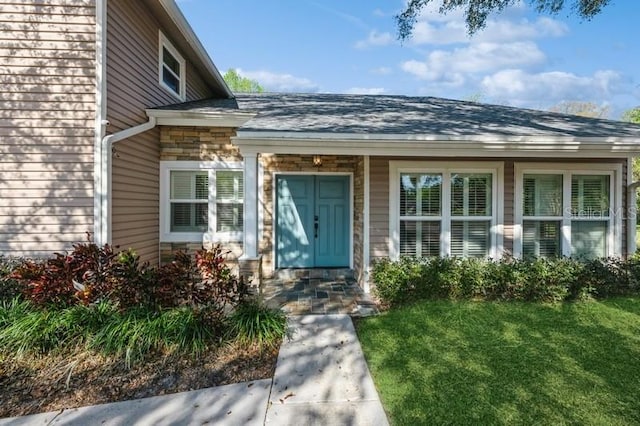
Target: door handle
{"x": 315, "y": 226}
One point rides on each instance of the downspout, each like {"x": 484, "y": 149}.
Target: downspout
{"x": 631, "y": 217}
{"x": 106, "y": 176}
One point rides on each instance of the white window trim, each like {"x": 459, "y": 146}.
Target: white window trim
{"x": 497, "y": 228}
{"x": 614, "y": 237}
{"x": 166, "y": 167}
{"x": 163, "y": 42}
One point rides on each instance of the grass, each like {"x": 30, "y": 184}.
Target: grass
{"x": 507, "y": 363}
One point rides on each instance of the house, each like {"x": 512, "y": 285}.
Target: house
{"x": 121, "y": 125}
{"x": 77, "y": 76}
{"x": 336, "y": 181}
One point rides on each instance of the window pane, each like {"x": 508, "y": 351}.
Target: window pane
{"x": 229, "y": 186}
{"x": 541, "y": 238}
{"x": 590, "y": 196}
{"x": 171, "y": 80}
{"x": 170, "y": 61}
{"x": 589, "y": 238}
{"x": 229, "y": 217}
{"x": 471, "y": 194}
{"x": 189, "y": 217}
{"x": 470, "y": 238}
{"x": 542, "y": 195}
{"x": 420, "y": 239}
{"x": 420, "y": 194}
{"x": 189, "y": 185}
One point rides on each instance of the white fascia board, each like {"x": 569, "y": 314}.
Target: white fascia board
{"x": 434, "y": 145}
{"x": 182, "y": 24}
{"x": 204, "y": 119}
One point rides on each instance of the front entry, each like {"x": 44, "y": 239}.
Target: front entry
{"x": 312, "y": 221}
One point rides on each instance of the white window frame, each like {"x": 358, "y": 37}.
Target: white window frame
{"x": 163, "y": 42}
{"x": 567, "y": 170}
{"x": 166, "y": 167}
{"x": 496, "y": 169}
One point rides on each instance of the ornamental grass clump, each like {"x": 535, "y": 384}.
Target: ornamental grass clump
{"x": 255, "y": 323}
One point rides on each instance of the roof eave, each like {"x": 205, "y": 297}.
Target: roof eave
{"x": 434, "y": 145}
{"x": 166, "y": 117}
{"x": 183, "y": 26}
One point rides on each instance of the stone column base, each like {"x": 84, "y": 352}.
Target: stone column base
{"x": 251, "y": 271}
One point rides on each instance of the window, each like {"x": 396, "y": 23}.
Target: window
{"x": 444, "y": 211}
{"x": 171, "y": 68}
{"x": 471, "y": 205}
{"x": 229, "y": 201}
{"x": 189, "y": 203}
{"x": 565, "y": 213}
{"x": 542, "y": 215}
{"x": 199, "y": 198}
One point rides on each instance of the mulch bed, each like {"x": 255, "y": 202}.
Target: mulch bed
{"x": 30, "y": 385}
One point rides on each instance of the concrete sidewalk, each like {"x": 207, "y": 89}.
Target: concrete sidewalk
{"x": 321, "y": 378}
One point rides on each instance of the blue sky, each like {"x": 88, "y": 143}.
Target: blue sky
{"x": 521, "y": 58}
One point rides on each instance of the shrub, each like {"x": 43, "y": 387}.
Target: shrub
{"x": 536, "y": 279}
{"x": 90, "y": 274}
{"x": 205, "y": 280}
{"x": 9, "y": 286}
{"x": 253, "y": 322}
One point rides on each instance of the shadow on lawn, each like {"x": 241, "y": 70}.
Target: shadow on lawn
{"x": 499, "y": 363}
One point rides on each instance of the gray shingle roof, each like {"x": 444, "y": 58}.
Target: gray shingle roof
{"x": 379, "y": 114}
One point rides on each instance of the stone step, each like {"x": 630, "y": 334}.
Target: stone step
{"x": 314, "y": 273}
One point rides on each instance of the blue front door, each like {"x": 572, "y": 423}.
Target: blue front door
{"x": 312, "y": 221}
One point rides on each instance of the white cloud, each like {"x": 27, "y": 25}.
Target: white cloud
{"x": 375, "y": 38}
{"x": 365, "y": 91}
{"x": 438, "y": 29}
{"x": 382, "y": 70}
{"x": 530, "y": 89}
{"x": 473, "y": 59}
{"x": 274, "y": 82}
{"x": 379, "y": 13}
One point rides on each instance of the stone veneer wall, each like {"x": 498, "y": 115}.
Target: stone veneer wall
{"x": 197, "y": 144}
{"x": 304, "y": 163}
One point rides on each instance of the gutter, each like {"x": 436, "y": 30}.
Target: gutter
{"x": 631, "y": 217}
{"x": 104, "y": 193}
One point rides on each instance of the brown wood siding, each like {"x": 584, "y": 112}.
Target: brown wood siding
{"x": 47, "y": 116}
{"x": 379, "y": 196}
{"x": 132, "y": 86}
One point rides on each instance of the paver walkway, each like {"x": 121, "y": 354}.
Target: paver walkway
{"x": 305, "y": 295}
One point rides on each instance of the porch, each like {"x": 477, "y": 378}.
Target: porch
{"x": 317, "y": 291}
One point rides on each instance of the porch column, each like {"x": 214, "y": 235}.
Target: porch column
{"x": 250, "y": 207}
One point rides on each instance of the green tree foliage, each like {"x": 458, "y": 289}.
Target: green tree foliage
{"x": 477, "y": 11}
{"x": 583, "y": 109}
{"x": 633, "y": 116}
{"x": 240, "y": 84}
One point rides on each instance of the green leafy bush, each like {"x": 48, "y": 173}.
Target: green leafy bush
{"x": 537, "y": 279}
{"x": 90, "y": 274}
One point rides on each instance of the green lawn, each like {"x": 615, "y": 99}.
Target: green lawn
{"x": 507, "y": 363}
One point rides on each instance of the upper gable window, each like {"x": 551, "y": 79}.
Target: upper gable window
{"x": 171, "y": 68}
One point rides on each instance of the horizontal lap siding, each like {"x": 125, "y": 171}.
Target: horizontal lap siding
{"x": 132, "y": 86}
{"x": 379, "y": 207}
{"x": 47, "y": 116}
